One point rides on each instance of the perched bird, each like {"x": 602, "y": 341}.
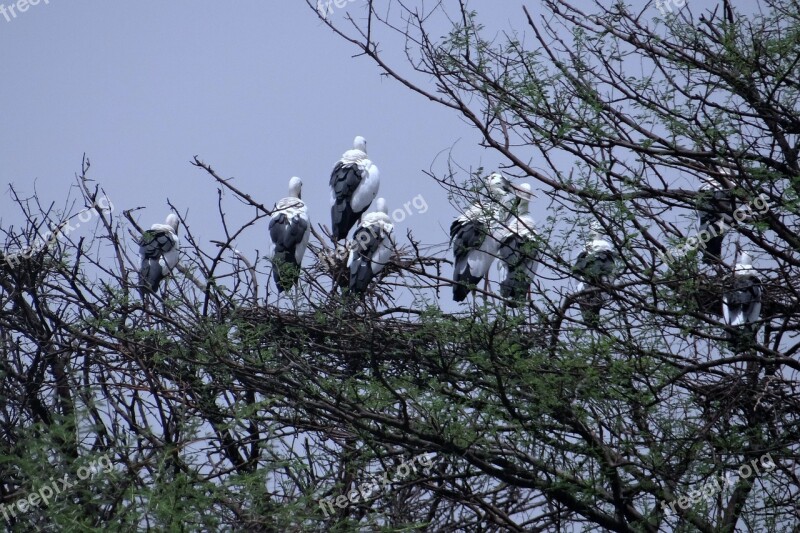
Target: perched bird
{"x": 354, "y": 184}
{"x": 159, "y": 247}
{"x": 741, "y": 303}
{"x": 373, "y": 243}
{"x": 596, "y": 266}
{"x": 472, "y": 235}
{"x": 518, "y": 254}
{"x": 289, "y": 230}
{"x": 715, "y": 208}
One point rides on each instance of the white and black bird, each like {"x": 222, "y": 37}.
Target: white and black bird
{"x": 741, "y": 302}
{"x": 518, "y": 252}
{"x": 159, "y": 247}
{"x": 715, "y": 206}
{"x": 289, "y": 230}
{"x": 473, "y": 235}
{"x": 354, "y": 185}
{"x": 372, "y": 247}
{"x": 596, "y": 267}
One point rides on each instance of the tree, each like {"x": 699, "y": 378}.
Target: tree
{"x": 217, "y": 409}
{"x": 628, "y": 110}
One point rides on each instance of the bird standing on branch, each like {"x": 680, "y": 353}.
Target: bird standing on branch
{"x": 715, "y": 207}
{"x": 472, "y": 235}
{"x": 354, "y": 185}
{"x": 518, "y": 253}
{"x": 159, "y": 248}
{"x": 596, "y": 267}
{"x": 289, "y": 230}
{"x": 372, "y": 247}
{"x": 741, "y": 303}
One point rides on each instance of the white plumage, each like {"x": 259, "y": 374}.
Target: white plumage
{"x": 289, "y": 230}
{"x": 354, "y": 183}
{"x": 372, "y": 247}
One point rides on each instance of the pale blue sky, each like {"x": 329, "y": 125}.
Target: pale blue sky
{"x": 260, "y": 92}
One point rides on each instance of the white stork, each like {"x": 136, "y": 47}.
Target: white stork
{"x": 372, "y": 247}
{"x": 518, "y": 254}
{"x": 289, "y": 230}
{"x": 596, "y": 266}
{"x": 354, "y": 185}
{"x": 159, "y": 247}
{"x": 715, "y": 206}
{"x": 741, "y": 303}
{"x": 472, "y": 235}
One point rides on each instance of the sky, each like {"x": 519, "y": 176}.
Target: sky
{"x": 261, "y": 93}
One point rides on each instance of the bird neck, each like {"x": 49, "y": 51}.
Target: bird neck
{"x": 353, "y": 155}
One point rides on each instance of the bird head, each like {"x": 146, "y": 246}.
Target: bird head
{"x": 499, "y": 187}
{"x": 295, "y": 187}
{"x": 360, "y": 143}
{"x": 173, "y": 222}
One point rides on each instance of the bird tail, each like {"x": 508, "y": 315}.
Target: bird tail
{"x": 591, "y": 305}
{"x": 590, "y": 311}
{"x": 360, "y": 275}
{"x": 150, "y": 275}
{"x": 463, "y": 279}
{"x": 343, "y": 218}
{"x": 285, "y": 271}
{"x": 514, "y": 288}
{"x": 742, "y": 338}
{"x": 737, "y": 318}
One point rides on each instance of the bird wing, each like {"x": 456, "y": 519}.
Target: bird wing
{"x": 713, "y": 205}
{"x": 159, "y": 249}
{"x": 372, "y": 248}
{"x": 367, "y": 189}
{"x": 345, "y": 179}
{"x": 581, "y": 264}
{"x": 153, "y": 244}
{"x": 742, "y": 302}
{"x": 596, "y": 267}
{"x": 467, "y": 235}
{"x": 385, "y": 248}
{"x": 348, "y": 201}
{"x": 289, "y": 236}
{"x": 757, "y": 290}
